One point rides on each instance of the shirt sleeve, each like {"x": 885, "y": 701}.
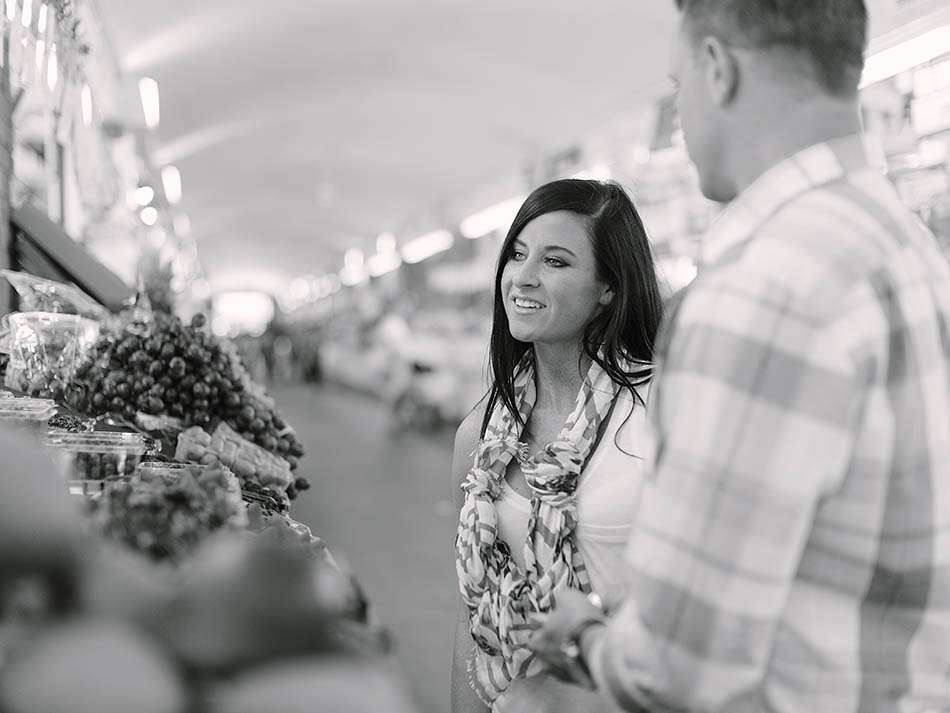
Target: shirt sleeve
{"x": 753, "y": 414}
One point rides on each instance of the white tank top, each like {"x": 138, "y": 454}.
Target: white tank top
{"x": 607, "y": 497}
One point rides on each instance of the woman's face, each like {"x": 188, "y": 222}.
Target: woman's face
{"x": 549, "y": 284}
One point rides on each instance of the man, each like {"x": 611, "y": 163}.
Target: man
{"x": 792, "y": 549}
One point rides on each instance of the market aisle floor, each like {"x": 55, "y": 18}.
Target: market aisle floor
{"x": 384, "y": 503}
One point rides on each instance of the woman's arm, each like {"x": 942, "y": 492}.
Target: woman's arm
{"x": 464, "y": 699}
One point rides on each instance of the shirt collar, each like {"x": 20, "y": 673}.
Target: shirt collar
{"x": 811, "y": 167}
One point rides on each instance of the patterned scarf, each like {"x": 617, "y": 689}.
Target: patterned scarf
{"x": 499, "y": 596}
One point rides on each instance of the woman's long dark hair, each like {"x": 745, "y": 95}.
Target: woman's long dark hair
{"x": 625, "y": 329}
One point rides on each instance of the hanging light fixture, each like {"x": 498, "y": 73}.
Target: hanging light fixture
{"x": 148, "y": 91}
{"x": 171, "y": 182}
{"x": 86, "y": 101}
{"x": 425, "y": 246}
{"x": 149, "y": 216}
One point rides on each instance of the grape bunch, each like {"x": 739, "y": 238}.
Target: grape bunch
{"x": 173, "y": 369}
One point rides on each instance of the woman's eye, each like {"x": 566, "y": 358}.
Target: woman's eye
{"x": 555, "y": 262}
{"x": 518, "y": 255}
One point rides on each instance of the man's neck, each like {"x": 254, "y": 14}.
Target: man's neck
{"x": 781, "y": 133}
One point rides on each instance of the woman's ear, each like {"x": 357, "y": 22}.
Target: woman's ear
{"x": 606, "y": 296}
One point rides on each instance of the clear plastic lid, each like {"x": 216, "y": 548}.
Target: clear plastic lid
{"x": 165, "y": 469}
{"x": 98, "y": 442}
{"x": 17, "y": 409}
{"x": 85, "y": 487}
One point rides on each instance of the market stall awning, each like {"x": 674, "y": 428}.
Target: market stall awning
{"x": 44, "y": 249}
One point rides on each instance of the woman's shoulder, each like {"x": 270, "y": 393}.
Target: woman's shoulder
{"x": 466, "y": 438}
{"x": 468, "y": 432}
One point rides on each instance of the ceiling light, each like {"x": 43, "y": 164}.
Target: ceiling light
{"x": 148, "y": 90}
{"x": 425, "y": 246}
{"x": 906, "y": 55}
{"x": 149, "y": 216}
{"x": 350, "y": 276}
{"x": 381, "y": 263}
{"x": 86, "y": 100}
{"x": 171, "y": 182}
{"x": 144, "y": 195}
{"x": 353, "y": 258}
{"x": 299, "y": 289}
{"x": 497, "y": 217}
{"x": 353, "y": 272}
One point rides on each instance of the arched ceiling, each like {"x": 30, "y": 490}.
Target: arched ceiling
{"x": 304, "y": 127}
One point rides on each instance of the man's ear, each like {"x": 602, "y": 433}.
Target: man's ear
{"x": 721, "y": 70}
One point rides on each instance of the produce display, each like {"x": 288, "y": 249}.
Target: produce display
{"x": 181, "y": 460}
{"x": 167, "y": 511}
{"x": 163, "y": 368}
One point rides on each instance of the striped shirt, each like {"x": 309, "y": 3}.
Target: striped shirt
{"x": 791, "y": 552}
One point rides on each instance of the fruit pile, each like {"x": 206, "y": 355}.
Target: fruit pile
{"x": 167, "y": 368}
{"x": 166, "y": 516}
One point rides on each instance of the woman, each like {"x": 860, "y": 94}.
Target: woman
{"x": 548, "y": 501}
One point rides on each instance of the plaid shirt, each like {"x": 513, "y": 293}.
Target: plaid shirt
{"x": 791, "y": 552}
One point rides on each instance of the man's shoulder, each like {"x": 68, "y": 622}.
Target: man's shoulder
{"x": 814, "y": 252}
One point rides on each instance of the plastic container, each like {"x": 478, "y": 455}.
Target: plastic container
{"x": 38, "y": 294}
{"x": 29, "y": 416}
{"x": 87, "y": 488}
{"x": 46, "y": 348}
{"x": 26, "y": 409}
{"x": 96, "y": 455}
{"x": 154, "y": 470}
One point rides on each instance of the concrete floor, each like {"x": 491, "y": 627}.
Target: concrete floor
{"x": 384, "y": 504}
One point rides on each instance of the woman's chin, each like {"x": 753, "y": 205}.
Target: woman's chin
{"x": 522, "y": 335}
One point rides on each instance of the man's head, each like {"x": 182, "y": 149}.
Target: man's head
{"x": 735, "y": 58}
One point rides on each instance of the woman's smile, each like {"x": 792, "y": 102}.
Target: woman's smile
{"x": 526, "y": 305}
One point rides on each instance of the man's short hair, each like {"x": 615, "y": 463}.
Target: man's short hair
{"x": 831, "y": 34}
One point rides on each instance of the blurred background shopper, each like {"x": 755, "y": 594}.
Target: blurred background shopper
{"x": 559, "y": 440}
{"x": 790, "y": 552}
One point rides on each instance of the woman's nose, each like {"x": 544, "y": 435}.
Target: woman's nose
{"x": 527, "y": 274}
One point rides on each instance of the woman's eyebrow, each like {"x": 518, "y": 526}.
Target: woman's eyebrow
{"x": 560, "y": 247}
{"x": 521, "y": 244}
